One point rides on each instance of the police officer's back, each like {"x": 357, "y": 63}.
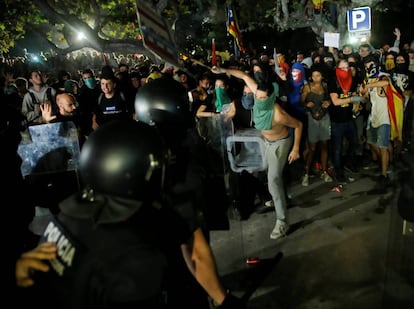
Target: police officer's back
{"x": 113, "y": 237}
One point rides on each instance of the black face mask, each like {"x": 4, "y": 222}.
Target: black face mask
{"x": 372, "y": 71}
{"x": 259, "y": 77}
{"x": 401, "y": 67}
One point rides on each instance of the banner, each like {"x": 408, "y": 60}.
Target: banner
{"x": 233, "y": 28}
{"x": 156, "y": 34}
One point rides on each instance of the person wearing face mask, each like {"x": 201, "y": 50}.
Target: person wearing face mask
{"x": 402, "y": 78}
{"x": 390, "y": 61}
{"x": 410, "y": 53}
{"x": 378, "y": 123}
{"x": 261, "y": 72}
{"x": 87, "y": 99}
{"x": 281, "y": 147}
{"x": 216, "y": 114}
{"x": 297, "y": 80}
{"x": 342, "y": 92}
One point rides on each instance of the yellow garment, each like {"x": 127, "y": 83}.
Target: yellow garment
{"x": 154, "y": 75}
{"x": 318, "y": 4}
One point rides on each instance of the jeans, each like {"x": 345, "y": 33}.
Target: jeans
{"x": 339, "y": 130}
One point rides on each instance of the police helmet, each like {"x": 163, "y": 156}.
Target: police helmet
{"x": 164, "y": 102}
{"x": 123, "y": 158}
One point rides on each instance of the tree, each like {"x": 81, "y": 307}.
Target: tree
{"x": 106, "y": 25}
{"x": 13, "y": 18}
{"x": 112, "y": 25}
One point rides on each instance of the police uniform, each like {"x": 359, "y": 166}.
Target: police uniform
{"x": 112, "y": 253}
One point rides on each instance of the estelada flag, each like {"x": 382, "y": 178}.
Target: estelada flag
{"x": 233, "y": 27}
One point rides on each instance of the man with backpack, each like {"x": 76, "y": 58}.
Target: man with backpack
{"x": 112, "y": 103}
{"x": 38, "y": 94}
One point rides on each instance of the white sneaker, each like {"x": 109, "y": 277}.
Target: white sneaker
{"x": 269, "y": 203}
{"x": 305, "y": 180}
{"x": 326, "y": 177}
{"x": 280, "y": 230}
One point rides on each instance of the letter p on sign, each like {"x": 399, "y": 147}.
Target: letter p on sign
{"x": 359, "y": 19}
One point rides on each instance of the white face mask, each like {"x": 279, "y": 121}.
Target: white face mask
{"x": 411, "y": 66}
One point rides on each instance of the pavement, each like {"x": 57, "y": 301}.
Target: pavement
{"x": 347, "y": 247}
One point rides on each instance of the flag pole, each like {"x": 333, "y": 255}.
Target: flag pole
{"x": 236, "y": 49}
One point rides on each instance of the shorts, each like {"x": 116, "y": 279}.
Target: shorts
{"x": 319, "y": 130}
{"x": 379, "y": 136}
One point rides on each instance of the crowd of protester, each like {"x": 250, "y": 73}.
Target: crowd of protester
{"x": 306, "y": 94}
{"x": 339, "y": 97}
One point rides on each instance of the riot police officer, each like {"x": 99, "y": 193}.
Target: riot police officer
{"x": 117, "y": 240}
{"x": 164, "y": 104}
{"x": 113, "y": 237}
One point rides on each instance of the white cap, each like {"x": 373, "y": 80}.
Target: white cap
{"x": 307, "y": 62}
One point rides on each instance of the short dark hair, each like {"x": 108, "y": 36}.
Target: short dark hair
{"x": 88, "y": 71}
{"x": 108, "y": 73}
{"x": 371, "y": 58}
{"x": 266, "y": 86}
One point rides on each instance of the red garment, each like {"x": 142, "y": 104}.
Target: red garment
{"x": 344, "y": 78}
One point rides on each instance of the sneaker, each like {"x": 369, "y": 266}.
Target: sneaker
{"x": 305, "y": 180}
{"x": 280, "y": 230}
{"x": 326, "y": 177}
{"x": 371, "y": 165}
{"x": 350, "y": 179}
{"x": 340, "y": 179}
{"x": 351, "y": 168}
{"x": 267, "y": 206}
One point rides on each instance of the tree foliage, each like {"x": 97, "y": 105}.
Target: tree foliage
{"x": 13, "y": 20}
{"x": 107, "y": 25}
{"x": 112, "y": 25}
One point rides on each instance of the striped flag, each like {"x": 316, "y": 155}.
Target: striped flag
{"x": 233, "y": 28}
{"x": 395, "y": 111}
{"x": 213, "y": 53}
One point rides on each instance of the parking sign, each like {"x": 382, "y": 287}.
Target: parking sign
{"x": 359, "y": 19}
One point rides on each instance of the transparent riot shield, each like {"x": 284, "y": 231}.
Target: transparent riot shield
{"x": 215, "y": 130}
{"x": 50, "y": 156}
{"x": 246, "y": 151}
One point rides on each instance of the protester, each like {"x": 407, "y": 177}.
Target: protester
{"x": 274, "y": 123}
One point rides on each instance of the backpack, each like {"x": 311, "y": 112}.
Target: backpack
{"x": 102, "y": 94}
{"x": 48, "y": 95}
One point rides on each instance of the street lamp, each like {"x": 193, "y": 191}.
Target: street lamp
{"x": 81, "y": 36}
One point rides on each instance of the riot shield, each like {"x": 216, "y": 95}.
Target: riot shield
{"x": 246, "y": 156}
{"x": 214, "y": 130}
{"x": 50, "y": 156}
{"x": 246, "y": 150}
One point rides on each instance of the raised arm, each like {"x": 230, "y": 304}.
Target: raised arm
{"x": 250, "y": 82}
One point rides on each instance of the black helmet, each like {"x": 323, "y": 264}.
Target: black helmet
{"x": 123, "y": 158}
{"x": 164, "y": 103}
